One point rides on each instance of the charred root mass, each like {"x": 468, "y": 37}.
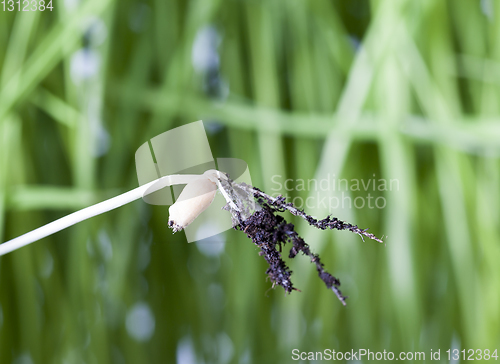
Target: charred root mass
{"x": 271, "y": 232}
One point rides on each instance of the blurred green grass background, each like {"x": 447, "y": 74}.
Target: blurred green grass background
{"x": 404, "y": 90}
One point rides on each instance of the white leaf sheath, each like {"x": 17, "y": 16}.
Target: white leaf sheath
{"x": 193, "y": 200}
{"x": 201, "y": 187}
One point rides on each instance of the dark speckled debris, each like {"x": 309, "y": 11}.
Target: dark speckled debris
{"x": 271, "y": 232}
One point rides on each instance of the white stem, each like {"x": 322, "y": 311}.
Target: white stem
{"x": 216, "y": 176}
{"x": 95, "y": 210}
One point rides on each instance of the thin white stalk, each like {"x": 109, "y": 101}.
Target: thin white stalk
{"x": 95, "y": 210}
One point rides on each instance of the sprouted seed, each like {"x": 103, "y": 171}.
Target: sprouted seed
{"x": 259, "y": 221}
{"x": 270, "y": 231}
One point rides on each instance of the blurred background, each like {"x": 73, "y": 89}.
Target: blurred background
{"x": 357, "y": 90}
